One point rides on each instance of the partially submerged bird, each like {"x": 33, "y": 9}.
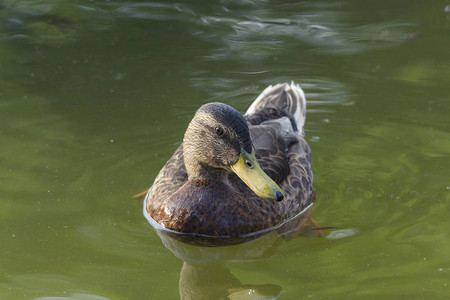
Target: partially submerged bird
{"x": 237, "y": 175}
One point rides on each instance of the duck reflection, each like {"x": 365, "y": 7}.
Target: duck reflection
{"x": 205, "y": 273}
{"x": 215, "y": 281}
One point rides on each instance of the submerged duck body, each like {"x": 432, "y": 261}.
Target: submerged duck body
{"x": 236, "y": 174}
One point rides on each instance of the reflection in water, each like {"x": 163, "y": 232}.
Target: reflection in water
{"x": 205, "y": 274}
{"x": 247, "y": 32}
{"x": 253, "y": 38}
{"x": 215, "y": 281}
{"x": 342, "y": 233}
{"x": 75, "y": 296}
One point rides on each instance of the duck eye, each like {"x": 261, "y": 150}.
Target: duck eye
{"x": 219, "y": 130}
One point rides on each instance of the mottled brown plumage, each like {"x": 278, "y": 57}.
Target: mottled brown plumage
{"x": 196, "y": 192}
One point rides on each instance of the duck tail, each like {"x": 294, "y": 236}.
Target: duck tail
{"x": 289, "y": 98}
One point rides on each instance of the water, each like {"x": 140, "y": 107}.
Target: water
{"x": 95, "y": 96}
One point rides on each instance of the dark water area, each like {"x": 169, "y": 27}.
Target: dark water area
{"x": 96, "y": 95}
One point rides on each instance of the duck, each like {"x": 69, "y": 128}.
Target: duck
{"x": 236, "y": 174}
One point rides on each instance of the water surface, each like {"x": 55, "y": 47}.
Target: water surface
{"x": 95, "y": 97}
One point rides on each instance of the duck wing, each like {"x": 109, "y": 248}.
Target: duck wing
{"x": 171, "y": 177}
{"x": 276, "y": 120}
{"x": 282, "y": 99}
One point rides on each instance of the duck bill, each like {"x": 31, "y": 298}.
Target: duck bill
{"x": 249, "y": 170}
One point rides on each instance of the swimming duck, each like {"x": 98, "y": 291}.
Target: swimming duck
{"x": 234, "y": 174}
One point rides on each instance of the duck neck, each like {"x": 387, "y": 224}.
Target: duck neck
{"x": 198, "y": 170}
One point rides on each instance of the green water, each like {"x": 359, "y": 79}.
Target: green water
{"x": 95, "y": 96}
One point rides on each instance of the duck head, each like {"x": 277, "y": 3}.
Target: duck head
{"x": 217, "y": 141}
